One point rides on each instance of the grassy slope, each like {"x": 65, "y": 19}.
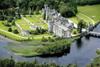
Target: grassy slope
{"x": 88, "y": 14}
{"x": 91, "y": 11}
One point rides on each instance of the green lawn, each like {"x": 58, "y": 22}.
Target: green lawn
{"x": 12, "y": 35}
{"x": 4, "y": 32}
{"x": 24, "y": 25}
{"x": 24, "y": 50}
{"x": 37, "y": 20}
{"x": 89, "y": 14}
{"x": 39, "y": 37}
{"x": 92, "y": 11}
{"x": 2, "y": 26}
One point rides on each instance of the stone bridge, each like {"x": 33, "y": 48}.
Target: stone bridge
{"x": 94, "y": 34}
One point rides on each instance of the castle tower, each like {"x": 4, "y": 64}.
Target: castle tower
{"x": 46, "y": 11}
{"x": 48, "y": 18}
{"x": 50, "y": 26}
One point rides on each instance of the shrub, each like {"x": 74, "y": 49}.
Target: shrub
{"x": 10, "y": 29}
{"x": 15, "y": 31}
{"x": 38, "y": 31}
{"x": 50, "y": 39}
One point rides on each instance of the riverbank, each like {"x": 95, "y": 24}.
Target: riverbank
{"x": 51, "y": 47}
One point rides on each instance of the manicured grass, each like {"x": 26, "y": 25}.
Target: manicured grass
{"x": 2, "y": 26}
{"x": 24, "y": 50}
{"x": 89, "y": 14}
{"x": 4, "y": 32}
{"x": 39, "y": 37}
{"x": 12, "y": 35}
{"x": 37, "y": 20}
{"x": 74, "y": 19}
{"x": 92, "y": 11}
{"x": 24, "y": 25}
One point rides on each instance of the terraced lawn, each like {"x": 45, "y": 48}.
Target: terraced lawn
{"x": 90, "y": 14}
{"x": 37, "y": 20}
{"x": 24, "y": 25}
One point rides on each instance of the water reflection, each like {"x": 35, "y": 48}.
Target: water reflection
{"x": 60, "y": 54}
{"x": 79, "y": 42}
{"x": 87, "y": 37}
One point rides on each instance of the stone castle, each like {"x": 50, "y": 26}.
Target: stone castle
{"x": 57, "y": 24}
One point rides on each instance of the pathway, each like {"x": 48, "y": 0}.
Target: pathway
{"x": 32, "y": 26}
{"x": 21, "y": 30}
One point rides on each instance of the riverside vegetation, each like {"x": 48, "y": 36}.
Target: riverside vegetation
{"x": 42, "y": 43}
{"x": 45, "y": 47}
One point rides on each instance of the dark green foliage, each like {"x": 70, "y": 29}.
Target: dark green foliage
{"x": 96, "y": 61}
{"x": 55, "y": 47}
{"x": 38, "y": 30}
{"x": 15, "y": 31}
{"x": 30, "y": 6}
{"x": 88, "y": 2}
{"x": 10, "y": 19}
{"x": 50, "y": 39}
{"x": 81, "y": 25}
{"x": 10, "y": 29}
{"x": 12, "y": 63}
{"x": 68, "y": 9}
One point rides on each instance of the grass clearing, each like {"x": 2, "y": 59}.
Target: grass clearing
{"x": 92, "y": 11}
{"x": 88, "y": 13}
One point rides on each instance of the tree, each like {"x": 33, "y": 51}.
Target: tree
{"x": 68, "y": 9}
{"x": 10, "y": 29}
{"x": 16, "y": 31}
{"x": 81, "y": 25}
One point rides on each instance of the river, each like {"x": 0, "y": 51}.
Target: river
{"x": 80, "y": 53}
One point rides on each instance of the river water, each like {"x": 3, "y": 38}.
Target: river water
{"x": 80, "y": 53}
